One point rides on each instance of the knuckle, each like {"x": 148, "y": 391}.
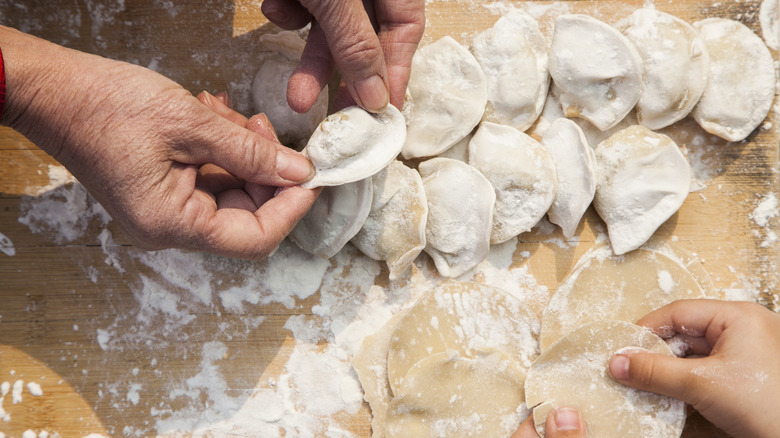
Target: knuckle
{"x": 257, "y": 155}
{"x": 361, "y": 53}
{"x": 643, "y": 372}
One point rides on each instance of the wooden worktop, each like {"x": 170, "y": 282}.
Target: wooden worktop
{"x": 71, "y": 317}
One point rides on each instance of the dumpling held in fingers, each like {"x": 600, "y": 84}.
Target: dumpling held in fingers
{"x": 354, "y": 144}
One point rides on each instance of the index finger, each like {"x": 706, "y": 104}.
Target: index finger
{"x": 693, "y": 318}
{"x": 401, "y": 26}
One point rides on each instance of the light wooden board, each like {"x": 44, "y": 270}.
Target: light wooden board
{"x": 57, "y": 297}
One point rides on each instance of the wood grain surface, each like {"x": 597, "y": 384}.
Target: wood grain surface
{"x": 58, "y": 297}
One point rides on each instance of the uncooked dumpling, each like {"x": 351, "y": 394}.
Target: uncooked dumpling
{"x": 460, "y": 215}
{"x": 741, "y": 84}
{"x": 269, "y": 90}
{"x": 597, "y": 69}
{"x": 446, "y": 396}
{"x": 574, "y": 372}
{"x": 626, "y": 288}
{"x": 575, "y": 164}
{"x": 522, "y": 174}
{"x": 395, "y": 228}
{"x": 460, "y": 150}
{"x": 463, "y": 317}
{"x": 354, "y": 144}
{"x": 675, "y": 61}
{"x": 643, "y": 179}
{"x": 446, "y": 99}
{"x": 513, "y": 55}
{"x": 336, "y": 216}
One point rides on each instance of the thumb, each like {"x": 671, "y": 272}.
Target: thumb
{"x": 641, "y": 369}
{"x": 247, "y": 155}
{"x": 355, "y": 48}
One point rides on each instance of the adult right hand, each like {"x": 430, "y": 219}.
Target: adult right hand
{"x": 374, "y": 64}
{"x": 736, "y": 385}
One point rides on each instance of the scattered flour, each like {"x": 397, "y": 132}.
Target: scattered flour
{"x": 665, "y": 281}
{"x": 762, "y": 215}
{"x": 6, "y": 246}
{"x": 35, "y": 389}
{"x": 16, "y": 392}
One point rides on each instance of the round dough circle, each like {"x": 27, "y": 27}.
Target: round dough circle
{"x": 464, "y": 317}
{"x": 604, "y": 286}
{"x": 449, "y": 396}
{"x": 574, "y": 372}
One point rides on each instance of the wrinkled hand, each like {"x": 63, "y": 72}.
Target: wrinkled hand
{"x": 136, "y": 141}
{"x": 736, "y": 386}
{"x": 371, "y": 42}
{"x": 561, "y": 423}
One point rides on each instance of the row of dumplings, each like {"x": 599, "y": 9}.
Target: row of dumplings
{"x": 468, "y": 359}
{"x": 454, "y": 209}
{"x": 488, "y": 185}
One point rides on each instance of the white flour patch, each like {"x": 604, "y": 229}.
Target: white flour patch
{"x": 6, "y": 246}
{"x": 762, "y": 215}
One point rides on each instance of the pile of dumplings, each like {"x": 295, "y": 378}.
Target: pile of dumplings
{"x": 469, "y": 359}
{"x": 515, "y": 129}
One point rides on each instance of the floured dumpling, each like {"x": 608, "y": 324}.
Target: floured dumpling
{"x": 675, "y": 62}
{"x": 598, "y": 71}
{"x": 643, "y": 179}
{"x": 575, "y": 164}
{"x": 463, "y": 317}
{"x": 604, "y": 286}
{"x": 522, "y": 174}
{"x": 336, "y": 216}
{"x": 460, "y": 150}
{"x": 354, "y": 144}
{"x": 395, "y": 228}
{"x": 446, "y": 100}
{"x": 574, "y": 372}
{"x": 769, "y": 16}
{"x": 269, "y": 90}
{"x": 460, "y": 215}
{"x": 513, "y": 55}
{"x": 741, "y": 80}
{"x": 448, "y": 396}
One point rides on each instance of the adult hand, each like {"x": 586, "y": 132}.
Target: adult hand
{"x": 136, "y": 141}
{"x": 372, "y": 43}
{"x": 561, "y": 423}
{"x": 736, "y": 385}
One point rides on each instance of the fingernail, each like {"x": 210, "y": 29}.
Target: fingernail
{"x": 274, "y": 14}
{"x": 293, "y": 166}
{"x": 567, "y": 419}
{"x": 618, "y": 367}
{"x": 372, "y": 93}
